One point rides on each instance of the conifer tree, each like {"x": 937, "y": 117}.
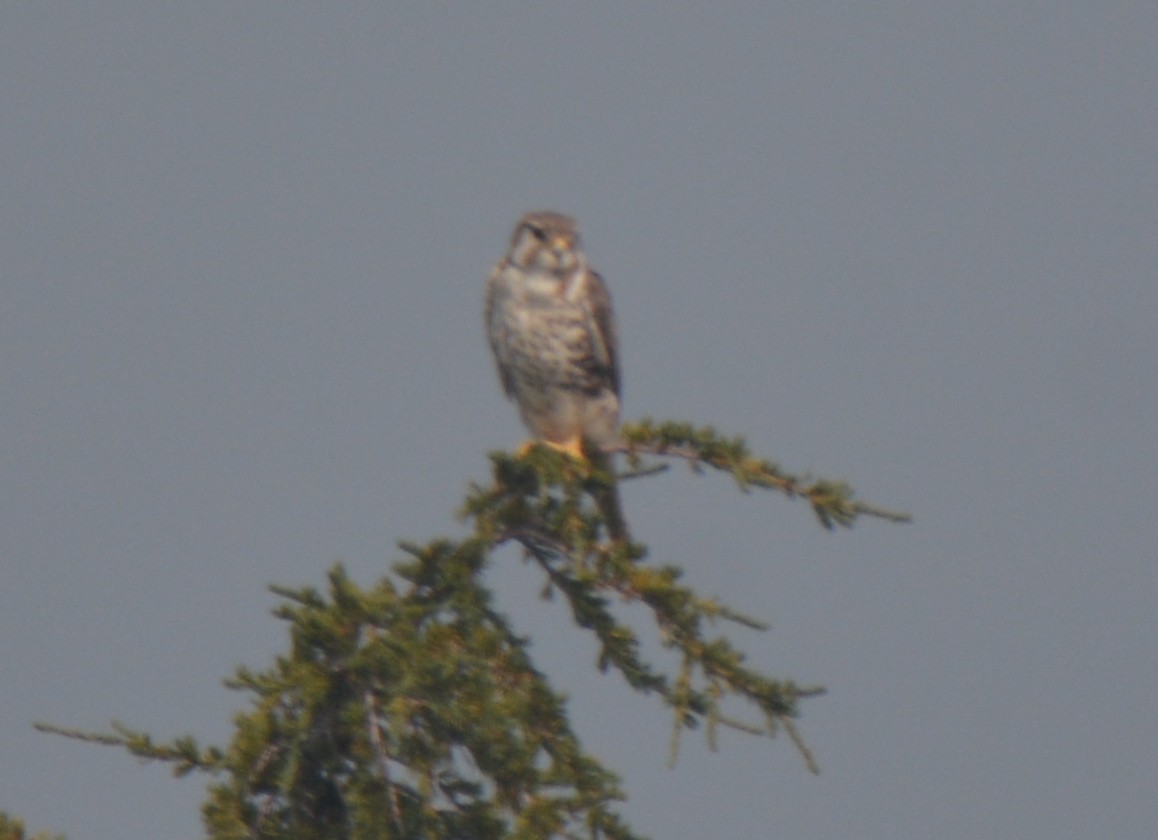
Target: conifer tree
{"x": 413, "y": 709}
{"x": 13, "y": 829}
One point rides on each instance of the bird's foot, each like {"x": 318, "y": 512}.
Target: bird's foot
{"x": 525, "y": 448}
{"x": 572, "y": 447}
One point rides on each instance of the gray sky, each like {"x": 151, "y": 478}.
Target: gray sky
{"x": 912, "y": 245}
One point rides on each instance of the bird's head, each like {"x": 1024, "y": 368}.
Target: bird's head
{"x": 548, "y": 242}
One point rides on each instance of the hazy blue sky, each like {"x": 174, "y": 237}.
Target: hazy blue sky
{"x": 913, "y": 245}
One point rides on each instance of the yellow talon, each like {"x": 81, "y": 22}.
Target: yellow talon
{"x": 572, "y": 447}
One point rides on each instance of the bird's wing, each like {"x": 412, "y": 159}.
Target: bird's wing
{"x": 604, "y": 339}
{"x": 496, "y": 331}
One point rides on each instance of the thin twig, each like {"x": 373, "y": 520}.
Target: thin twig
{"x": 789, "y": 485}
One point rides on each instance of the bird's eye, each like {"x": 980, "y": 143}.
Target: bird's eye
{"x": 537, "y": 232}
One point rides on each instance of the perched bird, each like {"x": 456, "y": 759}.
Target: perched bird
{"x": 550, "y": 325}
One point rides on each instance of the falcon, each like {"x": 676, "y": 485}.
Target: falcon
{"x": 551, "y": 328}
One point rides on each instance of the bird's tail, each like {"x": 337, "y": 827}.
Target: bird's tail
{"x": 607, "y": 497}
